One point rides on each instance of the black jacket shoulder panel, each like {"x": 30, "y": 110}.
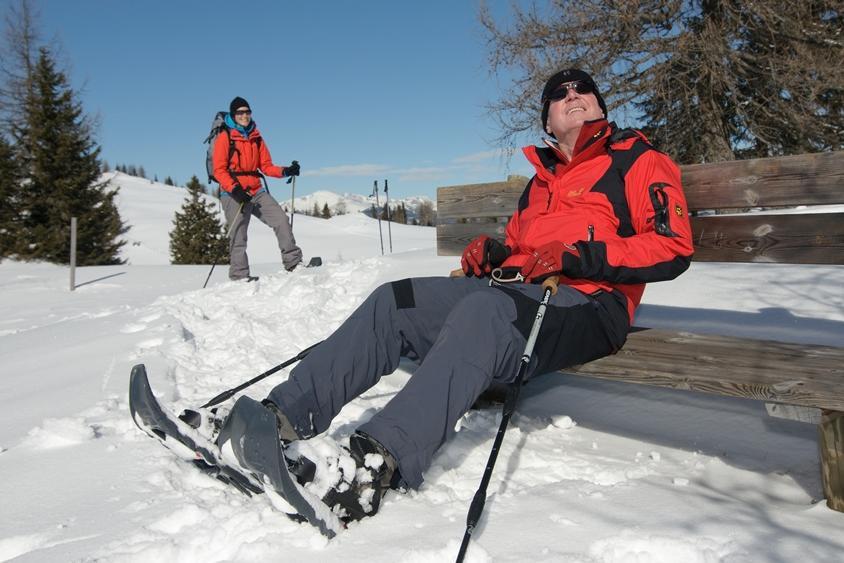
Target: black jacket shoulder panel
{"x": 524, "y": 200}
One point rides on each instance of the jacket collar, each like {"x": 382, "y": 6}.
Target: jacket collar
{"x": 550, "y": 161}
{"x": 245, "y": 131}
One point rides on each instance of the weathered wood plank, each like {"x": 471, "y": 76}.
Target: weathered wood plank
{"x": 831, "y": 441}
{"x": 452, "y": 239}
{"x": 792, "y": 239}
{"x": 479, "y": 200}
{"x": 737, "y": 367}
{"x": 804, "y": 179}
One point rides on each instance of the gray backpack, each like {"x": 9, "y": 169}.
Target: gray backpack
{"x": 217, "y": 126}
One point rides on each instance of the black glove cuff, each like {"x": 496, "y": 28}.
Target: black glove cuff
{"x": 496, "y": 252}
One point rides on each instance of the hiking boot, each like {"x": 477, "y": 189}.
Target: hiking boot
{"x": 357, "y": 496}
{"x": 286, "y": 431}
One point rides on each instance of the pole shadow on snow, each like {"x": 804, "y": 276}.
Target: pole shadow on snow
{"x": 98, "y": 279}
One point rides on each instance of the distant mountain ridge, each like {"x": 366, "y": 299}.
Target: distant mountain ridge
{"x": 355, "y": 203}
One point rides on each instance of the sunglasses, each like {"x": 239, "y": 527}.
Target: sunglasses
{"x": 579, "y": 86}
{"x": 243, "y": 112}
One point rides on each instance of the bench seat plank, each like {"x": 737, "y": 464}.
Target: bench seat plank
{"x": 754, "y": 369}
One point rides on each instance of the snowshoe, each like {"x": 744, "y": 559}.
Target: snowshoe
{"x": 251, "y": 435}
{"x": 187, "y": 443}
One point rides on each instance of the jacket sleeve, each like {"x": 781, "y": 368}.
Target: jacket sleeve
{"x": 220, "y": 160}
{"x": 661, "y": 247}
{"x": 266, "y": 162}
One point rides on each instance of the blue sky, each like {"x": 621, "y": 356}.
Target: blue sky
{"x": 355, "y": 91}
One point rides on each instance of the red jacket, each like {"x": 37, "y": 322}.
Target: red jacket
{"x": 250, "y": 155}
{"x": 619, "y": 201}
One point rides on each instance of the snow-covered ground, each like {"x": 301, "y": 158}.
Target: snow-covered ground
{"x": 590, "y": 471}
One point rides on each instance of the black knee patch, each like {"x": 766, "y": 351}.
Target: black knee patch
{"x": 570, "y": 335}
{"x": 403, "y": 292}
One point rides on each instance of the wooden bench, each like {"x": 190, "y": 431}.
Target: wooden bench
{"x": 792, "y": 378}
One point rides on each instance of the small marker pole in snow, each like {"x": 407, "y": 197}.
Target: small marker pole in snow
{"x": 477, "y": 506}
{"x": 378, "y": 215}
{"x": 389, "y": 230}
{"x": 72, "y": 253}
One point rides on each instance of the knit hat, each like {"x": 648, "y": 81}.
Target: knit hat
{"x": 550, "y": 93}
{"x": 237, "y": 103}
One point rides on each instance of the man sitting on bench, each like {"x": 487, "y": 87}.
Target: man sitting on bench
{"x": 605, "y": 212}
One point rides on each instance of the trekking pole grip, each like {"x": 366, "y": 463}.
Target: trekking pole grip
{"x": 551, "y": 283}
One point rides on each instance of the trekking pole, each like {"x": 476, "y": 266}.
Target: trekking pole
{"x": 477, "y": 506}
{"x": 292, "y": 195}
{"x": 389, "y": 230}
{"x": 378, "y": 212}
{"x": 193, "y": 417}
{"x": 226, "y": 394}
{"x": 213, "y": 264}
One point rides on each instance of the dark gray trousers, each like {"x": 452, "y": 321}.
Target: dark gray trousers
{"x": 465, "y": 336}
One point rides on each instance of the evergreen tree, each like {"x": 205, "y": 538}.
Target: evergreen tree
{"x": 141, "y": 172}
{"x": 55, "y": 144}
{"x": 168, "y": 181}
{"x": 10, "y": 192}
{"x": 326, "y": 212}
{"x": 198, "y": 236}
{"x": 315, "y": 212}
{"x": 105, "y": 168}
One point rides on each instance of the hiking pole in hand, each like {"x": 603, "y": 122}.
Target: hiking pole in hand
{"x": 193, "y": 417}
{"x": 292, "y": 180}
{"x": 239, "y": 211}
{"x": 550, "y": 288}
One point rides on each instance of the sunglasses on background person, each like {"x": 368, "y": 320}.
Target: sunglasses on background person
{"x": 243, "y": 112}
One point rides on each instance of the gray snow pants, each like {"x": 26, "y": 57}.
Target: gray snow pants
{"x": 268, "y": 211}
{"x": 465, "y": 336}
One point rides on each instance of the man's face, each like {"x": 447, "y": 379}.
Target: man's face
{"x": 243, "y": 116}
{"x": 566, "y": 115}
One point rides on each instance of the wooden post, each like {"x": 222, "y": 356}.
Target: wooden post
{"x": 72, "y": 253}
{"x": 831, "y": 441}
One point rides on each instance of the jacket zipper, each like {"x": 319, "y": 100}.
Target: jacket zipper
{"x": 591, "y": 236}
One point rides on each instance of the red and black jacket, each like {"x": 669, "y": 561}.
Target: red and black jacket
{"x": 618, "y": 200}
